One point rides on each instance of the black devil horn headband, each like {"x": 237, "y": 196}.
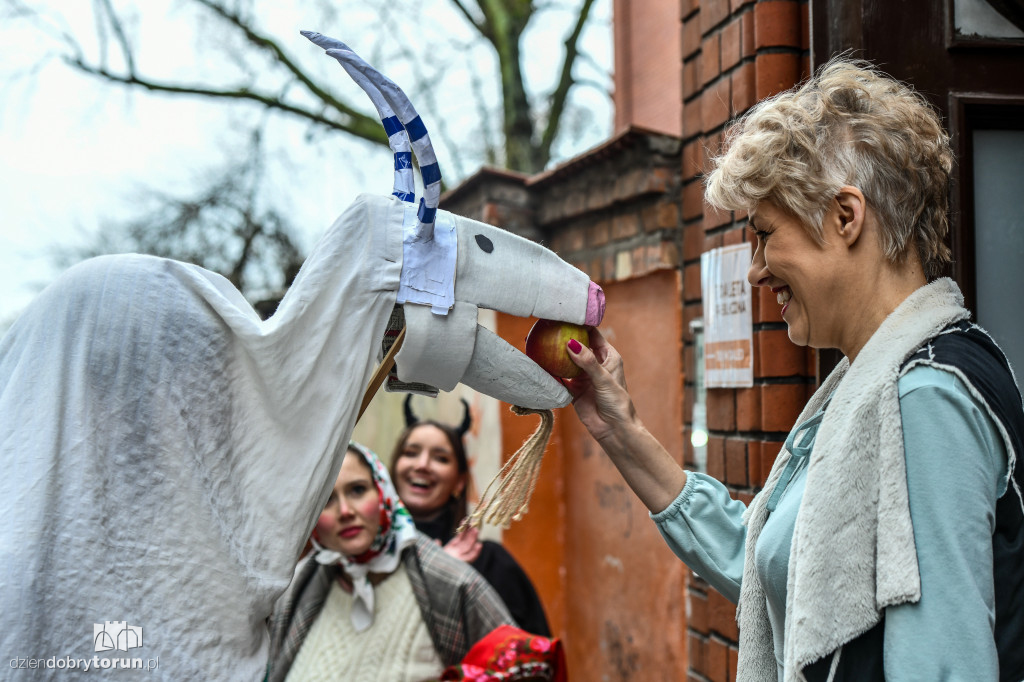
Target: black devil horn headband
{"x": 462, "y": 429}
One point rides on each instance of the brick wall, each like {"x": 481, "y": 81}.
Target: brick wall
{"x": 613, "y": 213}
{"x": 735, "y": 52}
{"x": 634, "y": 206}
{"x": 616, "y": 215}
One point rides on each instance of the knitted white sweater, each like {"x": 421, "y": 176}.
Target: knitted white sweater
{"x": 396, "y": 648}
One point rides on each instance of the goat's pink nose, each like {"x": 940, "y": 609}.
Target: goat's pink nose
{"x": 595, "y": 305}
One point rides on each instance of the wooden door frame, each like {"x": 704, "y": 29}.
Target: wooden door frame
{"x": 974, "y": 84}
{"x": 969, "y": 112}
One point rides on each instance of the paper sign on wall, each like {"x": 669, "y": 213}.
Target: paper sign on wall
{"x": 728, "y": 319}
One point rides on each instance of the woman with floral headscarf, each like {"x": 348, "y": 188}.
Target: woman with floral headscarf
{"x": 376, "y": 600}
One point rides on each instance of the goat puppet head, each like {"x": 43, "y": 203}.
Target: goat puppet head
{"x": 453, "y": 266}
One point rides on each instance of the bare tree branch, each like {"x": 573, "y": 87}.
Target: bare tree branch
{"x": 119, "y": 33}
{"x": 589, "y": 59}
{"x": 426, "y": 88}
{"x": 594, "y": 84}
{"x": 565, "y": 81}
{"x": 225, "y": 228}
{"x": 506, "y": 20}
{"x": 349, "y": 120}
{"x": 279, "y": 56}
{"x": 473, "y": 21}
{"x": 490, "y": 145}
{"x": 359, "y": 125}
{"x": 16, "y": 10}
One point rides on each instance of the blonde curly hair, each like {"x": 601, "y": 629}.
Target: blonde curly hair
{"x": 849, "y": 124}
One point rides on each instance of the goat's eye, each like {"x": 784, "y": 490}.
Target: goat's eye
{"x": 484, "y": 243}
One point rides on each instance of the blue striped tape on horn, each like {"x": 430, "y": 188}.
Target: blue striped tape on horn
{"x": 398, "y": 139}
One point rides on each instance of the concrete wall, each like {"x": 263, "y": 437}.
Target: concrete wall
{"x": 614, "y": 591}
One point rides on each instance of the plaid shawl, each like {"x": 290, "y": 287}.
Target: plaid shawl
{"x": 458, "y": 606}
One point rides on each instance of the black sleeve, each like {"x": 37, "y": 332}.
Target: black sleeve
{"x": 510, "y": 581}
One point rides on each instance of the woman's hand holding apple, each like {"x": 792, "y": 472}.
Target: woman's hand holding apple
{"x": 600, "y": 396}
{"x": 604, "y": 406}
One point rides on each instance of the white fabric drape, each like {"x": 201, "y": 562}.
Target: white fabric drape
{"x": 165, "y": 452}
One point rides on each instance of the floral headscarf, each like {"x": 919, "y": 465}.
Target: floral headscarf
{"x": 397, "y": 531}
{"x": 508, "y": 654}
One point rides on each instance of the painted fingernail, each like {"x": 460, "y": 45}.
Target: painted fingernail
{"x": 575, "y": 346}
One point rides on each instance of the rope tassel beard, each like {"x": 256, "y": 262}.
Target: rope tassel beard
{"x": 516, "y": 480}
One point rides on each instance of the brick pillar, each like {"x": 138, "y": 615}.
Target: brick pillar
{"x": 735, "y": 52}
{"x": 614, "y": 212}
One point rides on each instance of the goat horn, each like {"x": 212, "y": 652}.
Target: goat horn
{"x": 467, "y": 418}
{"x": 421, "y": 144}
{"x": 462, "y": 429}
{"x": 398, "y": 138}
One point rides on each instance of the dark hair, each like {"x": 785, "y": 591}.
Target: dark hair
{"x": 362, "y": 459}
{"x": 457, "y": 506}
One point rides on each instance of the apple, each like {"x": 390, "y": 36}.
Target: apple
{"x": 545, "y": 345}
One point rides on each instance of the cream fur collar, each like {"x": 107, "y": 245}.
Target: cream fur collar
{"x": 853, "y": 550}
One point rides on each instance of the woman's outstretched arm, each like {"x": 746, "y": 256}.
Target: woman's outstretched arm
{"x": 606, "y": 409}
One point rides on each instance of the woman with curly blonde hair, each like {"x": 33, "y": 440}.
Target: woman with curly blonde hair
{"x": 888, "y": 541}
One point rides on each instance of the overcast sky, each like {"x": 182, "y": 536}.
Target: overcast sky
{"x": 74, "y": 151}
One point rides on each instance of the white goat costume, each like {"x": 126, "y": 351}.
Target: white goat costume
{"x": 165, "y": 452}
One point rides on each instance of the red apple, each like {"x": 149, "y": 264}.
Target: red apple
{"x": 545, "y": 345}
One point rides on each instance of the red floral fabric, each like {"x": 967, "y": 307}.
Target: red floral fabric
{"x": 508, "y": 654}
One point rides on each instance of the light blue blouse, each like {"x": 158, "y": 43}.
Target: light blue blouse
{"x": 956, "y": 470}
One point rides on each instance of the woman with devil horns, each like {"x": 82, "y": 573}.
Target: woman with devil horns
{"x": 431, "y": 473}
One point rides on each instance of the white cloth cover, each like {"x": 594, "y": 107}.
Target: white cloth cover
{"x": 428, "y": 271}
{"x": 165, "y": 453}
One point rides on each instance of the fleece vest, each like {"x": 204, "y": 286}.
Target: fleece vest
{"x": 968, "y": 351}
